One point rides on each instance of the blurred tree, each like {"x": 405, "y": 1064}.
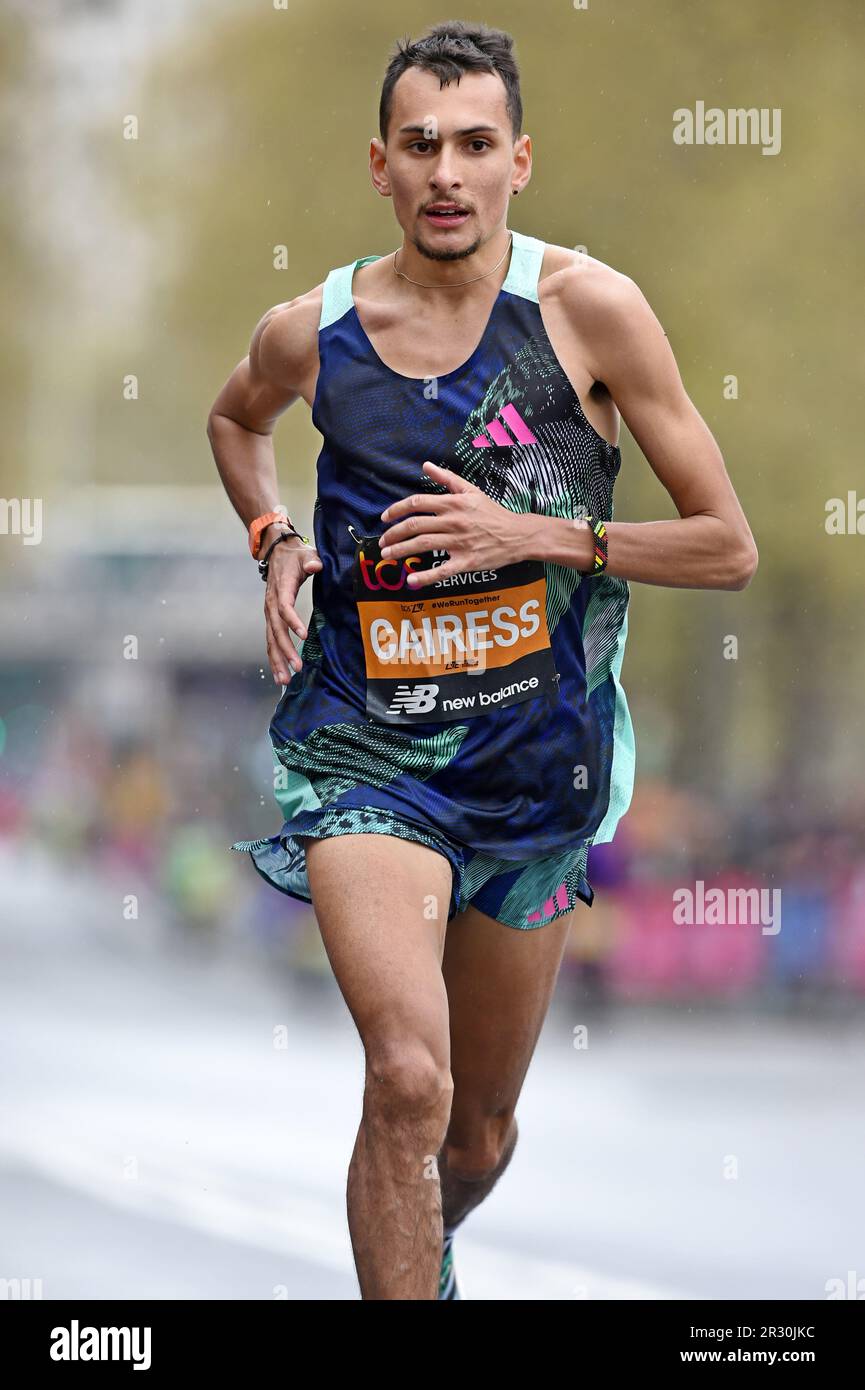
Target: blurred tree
{"x": 21, "y": 288}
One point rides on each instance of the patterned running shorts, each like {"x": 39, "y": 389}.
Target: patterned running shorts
{"x": 520, "y": 894}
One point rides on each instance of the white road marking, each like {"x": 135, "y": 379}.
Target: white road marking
{"x": 304, "y": 1228}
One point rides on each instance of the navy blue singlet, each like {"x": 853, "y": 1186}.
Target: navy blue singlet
{"x": 488, "y": 708}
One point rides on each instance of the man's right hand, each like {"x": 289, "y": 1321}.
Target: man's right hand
{"x": 289, "y": 565}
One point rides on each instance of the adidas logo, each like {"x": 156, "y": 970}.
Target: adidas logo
{"x": 559, "y": 900}
{"x": 499, "y": 435}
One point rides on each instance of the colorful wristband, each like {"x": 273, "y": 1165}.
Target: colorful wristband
{"x": 599, "y": 531}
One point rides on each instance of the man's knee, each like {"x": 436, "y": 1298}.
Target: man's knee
{"x": 405, "y": 1080}
{"x": 479, "y": 1148}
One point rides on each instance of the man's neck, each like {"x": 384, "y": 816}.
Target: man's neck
{"x": 457, "y": 281}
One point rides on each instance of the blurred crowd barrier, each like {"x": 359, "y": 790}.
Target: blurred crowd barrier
{"x": 160, "y": 809}
{"x": 783, "y": 919}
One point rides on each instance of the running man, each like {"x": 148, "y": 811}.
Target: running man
{"x": 452, "y": 735}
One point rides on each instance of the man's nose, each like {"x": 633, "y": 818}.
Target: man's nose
{"x": 444, "y": 175}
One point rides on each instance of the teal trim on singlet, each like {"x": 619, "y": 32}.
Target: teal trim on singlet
{"x": 336, "y": 297}
{"x": 624, "y": 749}
{"x": 525, "y": 267}
{"x": 522, "y": 278}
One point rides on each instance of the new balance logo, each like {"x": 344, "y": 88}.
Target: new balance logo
{"x": 417, "y": 699}
{"x": 499, "y": 435}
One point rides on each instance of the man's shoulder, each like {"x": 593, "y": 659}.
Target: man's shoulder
{"x": 288, "y": 332}
{"x": 294, "y": 319}
{"x": 585, "y": 285}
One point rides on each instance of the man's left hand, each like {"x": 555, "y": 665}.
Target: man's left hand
{"x": 477, "y": 532}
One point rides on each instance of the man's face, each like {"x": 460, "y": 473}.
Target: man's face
{"x": 449, "y": 145}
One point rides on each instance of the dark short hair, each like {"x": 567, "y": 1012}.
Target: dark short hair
{"x": 449, "y": 50}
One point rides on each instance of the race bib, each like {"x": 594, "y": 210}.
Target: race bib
{"x": 464, "y": 646}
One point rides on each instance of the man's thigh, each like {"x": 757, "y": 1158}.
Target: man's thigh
{"x": 381, "y": 903}
{"x": 499, "y": 982}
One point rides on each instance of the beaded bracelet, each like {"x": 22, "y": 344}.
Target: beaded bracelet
{"x": 283, "y": 536}
{"x": 599, "y": 531}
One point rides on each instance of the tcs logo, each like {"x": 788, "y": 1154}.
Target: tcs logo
{"x": 375, "y": 573}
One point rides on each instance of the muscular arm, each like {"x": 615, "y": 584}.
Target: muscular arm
{"x": 710, "y": 546}
{"x": 261, "y": 387}
{"x": 282, "y": 356}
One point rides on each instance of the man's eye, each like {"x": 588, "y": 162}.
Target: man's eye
{"x": 415, "y": 144}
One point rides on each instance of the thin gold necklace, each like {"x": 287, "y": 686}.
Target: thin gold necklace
{"x": 458, "y": 282}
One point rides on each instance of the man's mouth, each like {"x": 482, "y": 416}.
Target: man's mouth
{"x": 445, "y": 216}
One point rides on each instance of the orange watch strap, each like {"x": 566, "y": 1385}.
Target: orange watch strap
{"x": 257, "y": 526}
